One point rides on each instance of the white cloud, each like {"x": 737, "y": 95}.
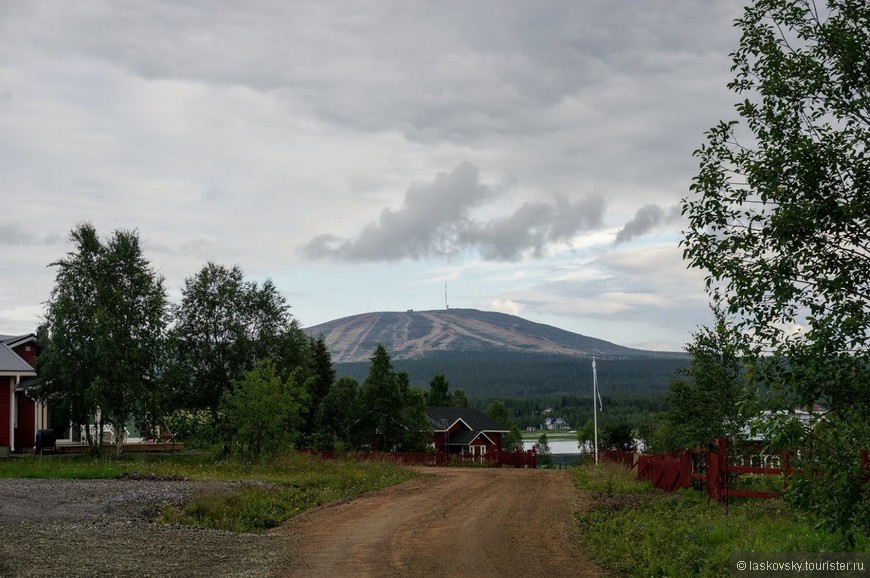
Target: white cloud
{"x": 434, "y": 220}
{"x": 507, "y": 306}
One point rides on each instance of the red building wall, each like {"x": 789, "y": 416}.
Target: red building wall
{"x": 438, "y": 441}
{"x": 27, "y": 352}
{"x": 496, "y": 438}
{"x": 6, "y": 384}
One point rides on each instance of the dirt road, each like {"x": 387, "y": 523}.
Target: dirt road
{"x": 467, "y": 522}
{"x": 458, "y": 522}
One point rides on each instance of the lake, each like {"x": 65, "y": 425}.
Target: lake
{"x": 563, "y": 452}
{"x": 556, "y": 446}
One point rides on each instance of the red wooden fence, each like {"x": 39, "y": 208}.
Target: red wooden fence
{"x": 623, "y": 457}
{"x": 676, "y": 471}
{"x": 718, "y": 469}
{"x": 666, "y": 471}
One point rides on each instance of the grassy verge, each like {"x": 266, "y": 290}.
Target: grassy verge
{"x": 635, "y": 530}
{"x": 278, "y": 490}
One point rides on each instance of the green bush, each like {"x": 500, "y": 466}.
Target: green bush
{"x": 634, "y": 530}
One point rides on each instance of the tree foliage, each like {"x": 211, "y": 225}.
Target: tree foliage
{"x": 513, "y": 440}
{"x": 67, "y": 362}
{"x": 338, "y": 415}
{"x": 439, "y": 392}
{"x": 488, "y": 375}
{"x": 392, "y": 415}
{"x": 617, "y": 436}
{"x": 102, "y": 344}
{"x": 440, "y": 395}
{"x": 223, "y": 326}
{"x": 323, "y": 376}
{"x": 542, "y": 449}
{"x": 704, "y": 401}
{"x": 263, "y": 411}
{"x": 778, "y": 215}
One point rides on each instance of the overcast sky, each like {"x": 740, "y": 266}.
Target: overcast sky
{"x": 361, "y": 154}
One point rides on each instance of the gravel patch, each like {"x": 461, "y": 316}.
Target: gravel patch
{"x": 95, "y": 528}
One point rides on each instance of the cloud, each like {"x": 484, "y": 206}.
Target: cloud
{"x": 645, "y": 220}
{"x": 14, "y": 234}
{"x": 506, "y": 306}
{"x": 434, "y": 220}
{"x": 531, "y": 227}
{"x": 426, "y": 224}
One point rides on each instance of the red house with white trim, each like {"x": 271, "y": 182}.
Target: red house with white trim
{"x": 463, "y": 430}
{"x": 20, "y": 415}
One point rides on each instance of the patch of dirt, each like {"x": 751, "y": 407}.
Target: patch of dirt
{"x": 468, "y": 522}
{"x": 452, "y": 522}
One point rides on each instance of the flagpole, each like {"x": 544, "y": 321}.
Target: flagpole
{"x": 595, "y": 407}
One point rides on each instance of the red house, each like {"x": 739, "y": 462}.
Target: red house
{"x": 462, "y": 430}
{"x": 20, "y": 416}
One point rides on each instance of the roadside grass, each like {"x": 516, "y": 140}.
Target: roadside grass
{"x": 289, "y": 485}
{"x": 633, "y": 529}
{"x": 81, "y": 467}
{"x": 268, "y": 495}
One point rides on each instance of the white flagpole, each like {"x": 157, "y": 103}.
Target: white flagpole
{"x": 595, "y": 408}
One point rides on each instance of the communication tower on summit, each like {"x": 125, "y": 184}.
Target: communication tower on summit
{"x": 446, "y": 306}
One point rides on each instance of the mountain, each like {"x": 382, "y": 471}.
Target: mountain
{"x": 493, "y": 355}
{"x": 419, "y": 334}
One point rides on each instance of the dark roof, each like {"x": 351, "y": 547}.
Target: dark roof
{"x": 465, "y": 437}
{"x": 16, "y": 340}
{"x": 10, "y": 362}
{"x": 444, "y": 417}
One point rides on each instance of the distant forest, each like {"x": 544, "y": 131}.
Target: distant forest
{"x": 511, "y": 375}
{"x": 631, "y": 389}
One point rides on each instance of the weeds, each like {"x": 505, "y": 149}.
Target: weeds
{"x": 635, "y": 530}
{"x": 267, "y": 494}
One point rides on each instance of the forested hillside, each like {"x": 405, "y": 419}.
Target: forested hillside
{"x": 507, "y": 375}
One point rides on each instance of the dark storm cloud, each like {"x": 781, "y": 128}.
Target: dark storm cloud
{"x": 645, "y": 220}
{"x": 434, "y": 220}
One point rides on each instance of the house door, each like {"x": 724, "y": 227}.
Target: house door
{"x": 25, "y": 430}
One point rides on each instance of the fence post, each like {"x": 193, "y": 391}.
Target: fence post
{"x": 717, "y": 463}
{"x": 723, "y": 472}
